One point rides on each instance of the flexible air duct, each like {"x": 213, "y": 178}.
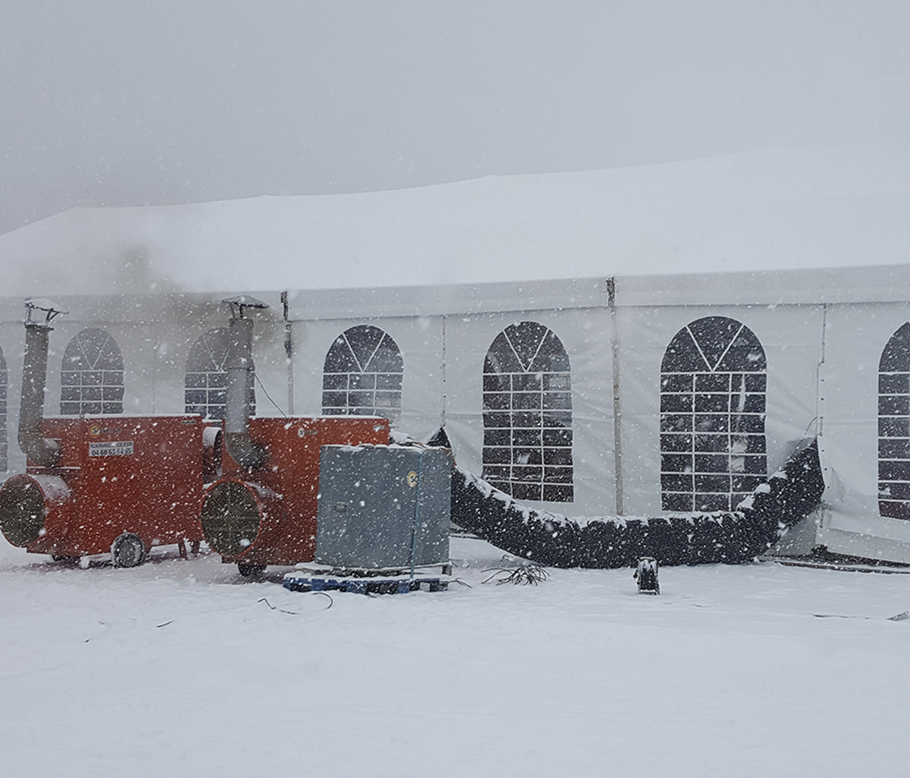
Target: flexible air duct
{"x": 547, "y": 539}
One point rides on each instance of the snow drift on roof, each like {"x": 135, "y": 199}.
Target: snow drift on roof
{"x": 778, "y": 209}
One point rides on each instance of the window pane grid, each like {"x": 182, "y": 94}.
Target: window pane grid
{"x": 527, "y": 415}
{"x": 712, "y": 423}
{"x": 91, "y": 376}
{"x": 363, "y": 375}
{"x": 205, "y": 380}
{"x": 894, "y": 427}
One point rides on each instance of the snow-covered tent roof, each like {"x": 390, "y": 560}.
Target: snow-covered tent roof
{"x": 784, "y": 209}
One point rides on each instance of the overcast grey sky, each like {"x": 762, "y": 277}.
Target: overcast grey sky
{"x": 116, "y": 102}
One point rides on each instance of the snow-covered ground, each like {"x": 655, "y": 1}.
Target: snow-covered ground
{"x": 182, "y": 668}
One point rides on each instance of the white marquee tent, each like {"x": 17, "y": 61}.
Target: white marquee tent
{"x": 647, "y": 384}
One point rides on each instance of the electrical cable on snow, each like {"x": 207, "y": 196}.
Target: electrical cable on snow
{"x": 280, "y": 610}
{"x": 903, "y": 616}
{"x": 238, "y": 607}
{"x": 295, "y": 613}
{"x": 522, "y": 574}
{"x": 266, "y": 393}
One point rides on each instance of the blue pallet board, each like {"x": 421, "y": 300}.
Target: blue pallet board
{"x": 306, "y": 583}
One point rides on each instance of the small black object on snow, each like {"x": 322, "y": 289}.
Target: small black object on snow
{"x": 646, "y": 575}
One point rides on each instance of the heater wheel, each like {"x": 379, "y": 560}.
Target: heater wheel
{"x": 128, "y": 550}
{"x": 250, "y": 570}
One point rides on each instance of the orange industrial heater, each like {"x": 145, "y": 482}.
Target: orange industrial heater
{"x": 118, "y": 484}
{"x": 266, "y": 515}
{"x": 263, "y": 511}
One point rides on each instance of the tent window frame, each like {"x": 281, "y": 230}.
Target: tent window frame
{"x": 205, "y": 376}
{"x": 92, "y": 375}
{"x": 363, "y": 374}
{"x": 894, "y": 426}
{"x": 713, "y": 396}
{"x": 527, "y": 415}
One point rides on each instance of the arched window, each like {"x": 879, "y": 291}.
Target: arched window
{"x": 205, "y": 385}
{"x": 4, "y": 435}
{"x": 362, "y": 375}
{"x": 527, "y": 415}
{"x": 91, "y": 377}
{"x": 894, "y": 427}
{"x": 712, "y": 416}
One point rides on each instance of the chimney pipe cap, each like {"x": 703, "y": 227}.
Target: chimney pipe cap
{"x": 48, "y": 307}
{"x": 241, "y": 301}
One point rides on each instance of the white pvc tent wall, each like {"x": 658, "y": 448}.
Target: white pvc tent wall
{"x": 444, "y": 334}
{"x": 822, "y": 333}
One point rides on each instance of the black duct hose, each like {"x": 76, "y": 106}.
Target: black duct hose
{"x": 778, "y": 504}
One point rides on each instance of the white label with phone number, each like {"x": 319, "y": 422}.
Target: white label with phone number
{"x": 117, "y": 448}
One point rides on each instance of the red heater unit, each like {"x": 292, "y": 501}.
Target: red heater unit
{"x": 264, "y": 511}
{"x": 93, "y": 485}
{"x": 267, "y": 515}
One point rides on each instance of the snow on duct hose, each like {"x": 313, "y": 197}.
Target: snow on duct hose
{"x": 787, "y": 497}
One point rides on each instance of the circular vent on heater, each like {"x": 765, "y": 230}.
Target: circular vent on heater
{"x": 230, "y": 518}
{"x": 21, "y": 511}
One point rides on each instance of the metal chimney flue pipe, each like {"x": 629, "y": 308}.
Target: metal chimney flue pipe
{"x": 39, "y": 449}
{"x": 239, "y": 368}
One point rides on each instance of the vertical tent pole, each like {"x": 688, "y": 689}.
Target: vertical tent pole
{"x": 617, "y": 405}
{"x": 288, "y": 350}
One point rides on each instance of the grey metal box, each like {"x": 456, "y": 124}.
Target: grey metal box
{"x": 383, "y": 507}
